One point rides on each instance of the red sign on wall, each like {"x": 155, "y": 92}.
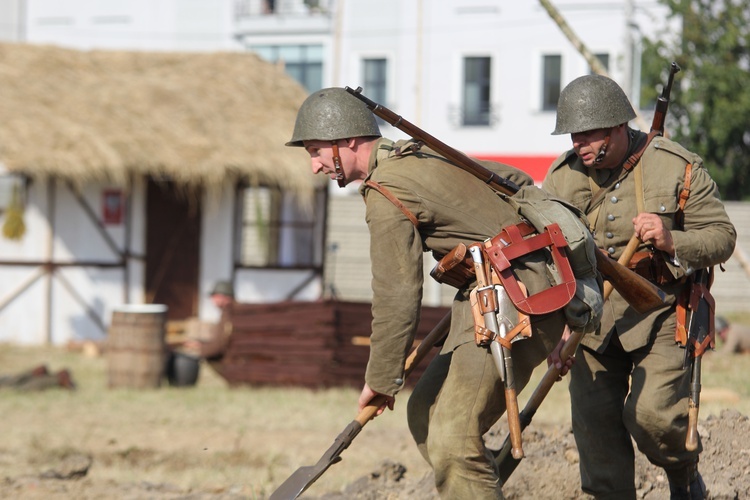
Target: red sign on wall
{"x": 113, "y": 206}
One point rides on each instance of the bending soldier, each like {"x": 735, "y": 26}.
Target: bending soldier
{"x": 629, "y": 380}
{"x": 417, "y": 202}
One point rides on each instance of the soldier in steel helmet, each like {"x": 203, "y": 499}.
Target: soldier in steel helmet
{"x": 628, "y": 381}
{"x": 418, "y": 202}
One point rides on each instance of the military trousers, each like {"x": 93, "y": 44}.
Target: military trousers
{"x": 456, "y": 401}
{"x": 618, "y": 395}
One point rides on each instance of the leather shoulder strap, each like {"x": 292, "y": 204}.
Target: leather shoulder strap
{"x": 684, "y": 195}
{"x": 392, "y": 198}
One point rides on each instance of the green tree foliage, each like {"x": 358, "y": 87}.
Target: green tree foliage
{"x": 710, "y": 102}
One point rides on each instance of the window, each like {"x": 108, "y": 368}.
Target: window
{"x": 476, "y": 99}
{"x": 374, "y": 79}
{"x": 604, "y": 59}
{"x": 304, "y": 63}
{"x": 374, "y": 82}
{"x": 551, "y": 77}
{"x": 276, "y": 231}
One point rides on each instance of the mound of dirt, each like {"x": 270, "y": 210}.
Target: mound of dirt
{"x": 550, "y": 468}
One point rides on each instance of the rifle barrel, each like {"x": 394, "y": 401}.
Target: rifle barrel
{"x": 662, "y": 103}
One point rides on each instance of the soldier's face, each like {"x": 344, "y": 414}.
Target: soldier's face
{"x": 321, "y": 157}
{"x": 588, "y": 144}
{"x": 320, "y": 154}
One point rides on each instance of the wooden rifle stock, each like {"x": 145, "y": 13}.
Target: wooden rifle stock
{"x": 645, "y": 295}
{"x": 640, "y": 293}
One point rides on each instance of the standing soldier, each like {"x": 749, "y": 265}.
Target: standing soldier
{"x": 628, "y": 381}
{"x": 417, "y": 202}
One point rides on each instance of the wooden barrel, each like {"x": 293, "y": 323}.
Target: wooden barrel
{"x": 136, "y": 346}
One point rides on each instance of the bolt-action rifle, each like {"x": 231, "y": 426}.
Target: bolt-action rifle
{"x": 641, "y": 294}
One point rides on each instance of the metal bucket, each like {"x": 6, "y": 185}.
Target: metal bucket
{"x": 183, "y": 369}
{"x": 136, "y": 346}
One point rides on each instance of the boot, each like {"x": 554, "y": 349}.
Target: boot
{"x": 695, "y": 490}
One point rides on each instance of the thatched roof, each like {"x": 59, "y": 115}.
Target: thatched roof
{"x": 195, "y": 118}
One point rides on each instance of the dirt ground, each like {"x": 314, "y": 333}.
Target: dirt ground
{"x": 212, "y": 442}
{"x": 549, "y": 471}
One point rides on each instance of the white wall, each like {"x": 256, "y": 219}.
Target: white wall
{"x": 58, "y": 308}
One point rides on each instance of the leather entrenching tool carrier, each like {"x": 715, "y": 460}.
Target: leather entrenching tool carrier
{"x": 519, "y": 240}
{"x": 483, "y": 335}
{"x": 512, "y": 243}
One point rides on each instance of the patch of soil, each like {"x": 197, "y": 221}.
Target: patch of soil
{"x": 550, "y": 468}
{"x": 549, "y": 471}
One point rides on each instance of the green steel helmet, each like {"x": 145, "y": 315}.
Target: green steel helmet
{"x": 332, "y": 114}
{"x": 592, "y": 102}
{"x": 222, "y": 288}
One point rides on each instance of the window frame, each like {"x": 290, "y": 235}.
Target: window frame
{"x": 286, "y": 223}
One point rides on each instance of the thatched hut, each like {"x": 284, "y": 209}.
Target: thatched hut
{"x": 144, "y": 177}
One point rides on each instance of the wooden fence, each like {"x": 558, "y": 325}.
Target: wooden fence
{"x": 307, "y": 344}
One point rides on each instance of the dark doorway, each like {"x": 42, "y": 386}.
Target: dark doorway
{"x": 173, "y": 229}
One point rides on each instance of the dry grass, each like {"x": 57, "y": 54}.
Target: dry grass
{"x": 213, "y": 438}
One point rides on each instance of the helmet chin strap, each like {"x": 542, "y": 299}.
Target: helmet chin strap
{"x": 603, "y": 151}
{"x": 340, "y": 179}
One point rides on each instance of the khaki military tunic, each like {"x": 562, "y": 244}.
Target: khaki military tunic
{"x": 452, "y": 206}
{"x": 628, "y": 380}
{"x": 707, "y": 238}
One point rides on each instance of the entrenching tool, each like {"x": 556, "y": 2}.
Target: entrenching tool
{"x": 305, "y": 476}
{"x": 506, "y": 461}
{"x": 490, "y": 296}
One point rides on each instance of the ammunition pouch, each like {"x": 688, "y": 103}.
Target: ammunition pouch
{"x": 455, "y": 269}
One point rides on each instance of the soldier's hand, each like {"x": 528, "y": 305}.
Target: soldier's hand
{"x": 650, "y": 228}
{"x": 554, "y": 357}
{"x": 366, "y": 396}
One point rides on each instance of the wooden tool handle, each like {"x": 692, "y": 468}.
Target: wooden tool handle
{"x": 691, "y": 440}
{"x": 417, "y": 355}
{"x": 514, "y": 423}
